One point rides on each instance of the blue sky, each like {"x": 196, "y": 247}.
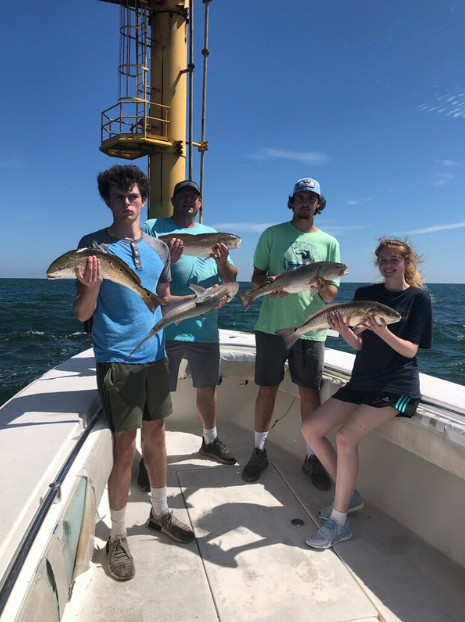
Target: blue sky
{"x": 366, "y": 96}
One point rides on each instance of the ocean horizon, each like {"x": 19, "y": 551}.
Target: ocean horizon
{"x": 39, "y": 331}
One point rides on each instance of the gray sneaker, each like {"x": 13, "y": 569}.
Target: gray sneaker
{"x": 313, "y": 469}
{"x": 217, "y": 451}
{"x": 168, "y": 524}
{"x": 356, "y": 503}
{"x": 257, "y": 463}
{"x": 329, "y": 535}
{"x": 120, "y": 561}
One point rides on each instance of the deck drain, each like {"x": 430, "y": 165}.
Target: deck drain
{"x": 297, "y": 522}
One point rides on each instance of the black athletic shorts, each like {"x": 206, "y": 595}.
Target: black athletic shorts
{"x": 406, "y": 406}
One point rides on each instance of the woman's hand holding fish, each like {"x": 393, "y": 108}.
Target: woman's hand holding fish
{"x": 338, "y": 323}
{"x": 379, "y": 329}
{"x": 342, "y": 325}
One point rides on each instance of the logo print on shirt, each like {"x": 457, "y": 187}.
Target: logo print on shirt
{"x": 298, "y": 254}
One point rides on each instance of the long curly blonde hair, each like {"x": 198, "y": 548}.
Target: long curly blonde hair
{"x": 401, "y": 247}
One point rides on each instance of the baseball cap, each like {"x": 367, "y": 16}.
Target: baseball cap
{"x": 186, "y": 184}
{"x": 307, "y": 185}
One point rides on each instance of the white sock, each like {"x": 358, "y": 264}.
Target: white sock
{"x": 209, "y": 435}
{"x": 260, "y": 438}
{"x": 118, "y": 523}
{"x": 338, "y": 517}
{"x": 310, "y": 451}
{"x": 159, "y": 499}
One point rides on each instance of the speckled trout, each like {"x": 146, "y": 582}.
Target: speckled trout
{"x": 201, "y": 245}
{"x": 113, "y": 268}
{"x": 358, "y": 311}
{"x": 299, "y": 280}
{"x": 206, "y": 301}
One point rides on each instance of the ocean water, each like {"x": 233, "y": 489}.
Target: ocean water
{"x": 38, "y": 329}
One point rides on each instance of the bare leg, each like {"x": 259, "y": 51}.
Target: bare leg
{"x": 155, "y": 452}
{"x": 119, "y": 482}
{"x": 264, "y": 406}
{"x": 365, "y": 419}
{"x": 309, "y": 401}
{"x": 331, "y": 414}
{"x": 207, "y": 406}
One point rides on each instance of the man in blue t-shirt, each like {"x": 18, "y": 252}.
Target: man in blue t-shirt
{"x": 134, "y": 395}
{"x": 195, "y": 339}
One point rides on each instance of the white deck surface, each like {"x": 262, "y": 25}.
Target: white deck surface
{"x": 249, "y": 563}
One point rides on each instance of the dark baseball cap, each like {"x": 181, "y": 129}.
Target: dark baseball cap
{"x": 186, "y": 184}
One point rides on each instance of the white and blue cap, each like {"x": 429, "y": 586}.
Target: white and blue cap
{"x": 307, "y": 185}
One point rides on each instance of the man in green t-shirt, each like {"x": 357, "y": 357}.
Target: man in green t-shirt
{"x": 281, "y": 248}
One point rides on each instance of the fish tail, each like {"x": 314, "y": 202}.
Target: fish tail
{"x": 244, "y": 297}
{"x": 289, "y": 335}
{"x": 149, "y": 336}
{"x": 152, "y": 300}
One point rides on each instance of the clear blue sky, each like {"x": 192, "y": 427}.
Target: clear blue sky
{"x": 366, "y": 96}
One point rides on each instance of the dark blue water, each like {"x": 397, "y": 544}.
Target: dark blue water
{"x": 38, "y": 329}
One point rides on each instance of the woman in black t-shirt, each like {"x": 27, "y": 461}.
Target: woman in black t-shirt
{"x": 384, "y": 383}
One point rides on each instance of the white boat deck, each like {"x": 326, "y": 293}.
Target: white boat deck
{"x": 249, "y": 561}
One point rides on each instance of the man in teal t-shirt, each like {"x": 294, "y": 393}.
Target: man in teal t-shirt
{"x": 195, "y": 339}
{"x": 282, "y": 248}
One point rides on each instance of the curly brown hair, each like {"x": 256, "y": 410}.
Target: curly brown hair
{"x": 124, "y": 177}
{"x": 403, "y": 249}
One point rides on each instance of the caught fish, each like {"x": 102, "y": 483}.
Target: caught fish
{"x": 299, "y": 280}
{"x": 358, "y": 311}
{"x": 201, "y": 245}
{"x": 113, "y": 268}
{"x": 206, "y": 301}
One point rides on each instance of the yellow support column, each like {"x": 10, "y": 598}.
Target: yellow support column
{"x": 168, "y": 80}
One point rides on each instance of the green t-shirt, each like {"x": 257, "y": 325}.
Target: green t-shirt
{"x": 282, "y": 248}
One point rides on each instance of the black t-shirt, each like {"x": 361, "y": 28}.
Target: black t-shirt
{"x": 377, "y": 366}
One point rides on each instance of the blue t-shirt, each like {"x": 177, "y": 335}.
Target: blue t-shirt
{"x": 377, "y": 366}
{"x": 121, "y": 319}
{"x": 187, "y": 270}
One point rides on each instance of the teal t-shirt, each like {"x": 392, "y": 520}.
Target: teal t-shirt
{"x": 187, "y": 270}
{"x": 282, "y": 248}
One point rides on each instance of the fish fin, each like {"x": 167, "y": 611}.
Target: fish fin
{"x": 152, "y": 300}
{"x": 244, "y": 297}
{"x": 359, "y": 328}
{"x": 313, "y": 290}
{"x": 289, "y": 336}
{"x": 198, "y": 289}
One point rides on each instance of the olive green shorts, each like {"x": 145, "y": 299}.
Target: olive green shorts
{"x": 131, "y": 394}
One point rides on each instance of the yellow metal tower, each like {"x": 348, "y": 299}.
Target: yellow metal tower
{"x": 151, "y": 114}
